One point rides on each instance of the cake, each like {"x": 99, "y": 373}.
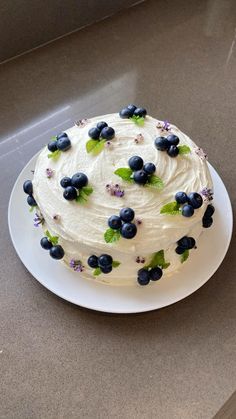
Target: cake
{"x": 122, "y": 198}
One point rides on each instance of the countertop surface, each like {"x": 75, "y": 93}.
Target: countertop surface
{"x": 57, "y": 360}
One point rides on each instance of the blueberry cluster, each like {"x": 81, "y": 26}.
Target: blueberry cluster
{"x": 132, "y": 110}
{"x": 207, "y": 219}
{"x": 190, "y": 202}
{"x": 146, "y": 275}
{"x": 141, "y": 171}
{"x": 168, "y": 144}
{"x": 104, "y": 262}
{"x": 186, "y": 243}
{"x": 123, "y": 223}
{"x": 28, "y": 189}
{"x": 62, "y": 143}
{"x": 101, "y": 131}
{"x": 71, "y": 185}
{"x": 55, "y": 250}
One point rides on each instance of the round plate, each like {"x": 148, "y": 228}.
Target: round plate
{"x": 70, "y": 285}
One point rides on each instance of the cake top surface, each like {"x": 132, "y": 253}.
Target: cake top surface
{"x": 87, "y": 222}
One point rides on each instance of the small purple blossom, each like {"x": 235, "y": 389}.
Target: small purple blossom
{"x": 82, "y": 122}
{"x": 207, "y": 194}
{"x": 56, "y": 217}
{"x": 115, "y": 190}
{"x": 38, "y": 219}
{"x": 164, "y": 126}
{"x": 138, "y": 221}
{"x": 108, "y": 144}
{"x": 139, "y": 138}
{"x": 49, "y": 172}
{"x": 140, "y": 259}
{"x": 76, "y": 265}
{"x": 199, "y": 151}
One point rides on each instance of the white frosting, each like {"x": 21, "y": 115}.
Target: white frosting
{"x": 81, "y": 227}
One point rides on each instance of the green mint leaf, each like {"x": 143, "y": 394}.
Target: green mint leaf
{"x": 184, "y": 149}
{"x": 158, "y": 259}
{"x": 97, "y": 272}
{"x": 52, "y": 239}
{"x": 54, "y": 155}
{"x": 111, "y": 235}
{"x": 166, "y": 265}
{"x": 115, "y": 264}
{"x": 171, "y": 208}
{"x": 90, "y": 145}
{"x": 81, "y": 198}
{"x": 125, "y": 173}
{"x": 184, "y": 256}
{"x": 139, "y": 120}
{"x": 155, "y": 182}
{"x": 53, "y": 138}
{"x": 99, "y": 147}
{"x": 87, "y": 190}
{"x": 83, "y": 194}
{"x": 32, "y": 208}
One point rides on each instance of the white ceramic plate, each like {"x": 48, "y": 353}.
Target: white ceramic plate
{"x": 69, "y": 285}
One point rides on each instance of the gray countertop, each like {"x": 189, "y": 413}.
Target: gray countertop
{"x": 60, "y": 361}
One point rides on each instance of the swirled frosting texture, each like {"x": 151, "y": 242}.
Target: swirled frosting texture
{"x": 81, "y": 227}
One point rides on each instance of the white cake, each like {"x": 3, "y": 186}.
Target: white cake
{"x": 80, "y": 226}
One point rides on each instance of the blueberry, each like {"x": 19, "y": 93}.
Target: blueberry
{"x": 209, "y": 211}
{"x": 104, "y": 261}
{"x": 141, "y": 112}
{"x": 126, "y": 113}
{"x": 70, "y": 193}
{"x": 173, "y": 151}
{"x": 132, "y": 108}
{"x": 107, "y": 133}
{"x": 94, "y": 133}
{"x": 52, "y": 146}
{"x": 62, "y": 135}
{"x": 57, "y": 252}
{"x": 180, "y": 250}
{"x": 101, "y": 125}
{"x": 155, "y": 274}
{"x": 128, "y": 230}
{"x": 79, "y": 180}
{"x": 114, "y": 222}
{"x": 140, "y": 176}
{"x": 31, "y": 201}
{"x": 162, "y": 144}
{"x": 106, "y": 269}
{"x": 195, "y": 200}
{"x": 65, "y": 181}
{"x": 183, "y": 242}
{"x": 187, "y": 210}
{"x": 127, "y": 214}
{"x": 173, "y": 139}
{"x": 93, "y": 261}
{"x": 181, "y": 197}
{"x": 135, "y": 163}
{"x": 191, "y": 243}
{"x": 207, "y": 222}
{"x": 143, "y": 276}
{"x": 45, "y": 243}
{"x": 28, "y": 187}
{"x": 63, "y": 144}
{"x": 149, "y": 168}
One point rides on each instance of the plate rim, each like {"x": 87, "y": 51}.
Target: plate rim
{"x": 117, "y": 311}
